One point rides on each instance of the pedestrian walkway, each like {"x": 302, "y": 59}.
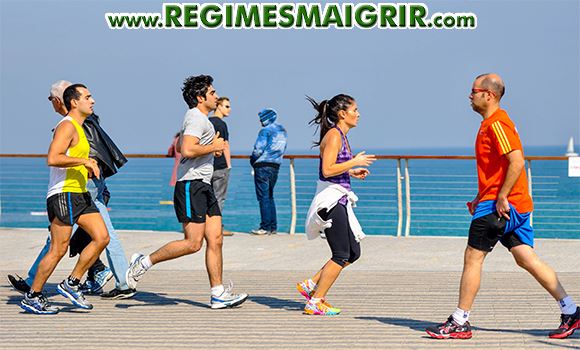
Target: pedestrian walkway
{"x": 399, "y": 287}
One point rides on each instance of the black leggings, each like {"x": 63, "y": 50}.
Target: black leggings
{"x": 340, "y": 238}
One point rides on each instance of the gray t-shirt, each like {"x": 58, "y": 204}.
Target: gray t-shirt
{"x": 198, "y": 125}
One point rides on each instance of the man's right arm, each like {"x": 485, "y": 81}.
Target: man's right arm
{"x": 190, "y": 147}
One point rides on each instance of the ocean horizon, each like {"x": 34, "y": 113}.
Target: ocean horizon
{"x": 141, "y": 195}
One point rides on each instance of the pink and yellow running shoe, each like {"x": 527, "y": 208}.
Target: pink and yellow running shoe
{"x": 304, "y": 289}
{"x": 321, "y": 308}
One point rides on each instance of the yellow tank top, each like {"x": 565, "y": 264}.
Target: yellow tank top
{"x": 73, "y": 179}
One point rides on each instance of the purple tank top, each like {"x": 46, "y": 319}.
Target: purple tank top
{"x": 343, "y": 156}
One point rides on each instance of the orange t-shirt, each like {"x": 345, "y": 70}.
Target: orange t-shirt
{"x": 497, "y": 137}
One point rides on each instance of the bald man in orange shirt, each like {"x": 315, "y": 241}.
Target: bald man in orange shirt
{"x": 501, "y": 212}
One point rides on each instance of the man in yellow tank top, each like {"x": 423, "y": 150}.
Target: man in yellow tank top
{"x": 68, "y": 202}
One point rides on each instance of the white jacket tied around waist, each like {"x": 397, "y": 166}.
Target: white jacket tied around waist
{"x": 327, "y": 196}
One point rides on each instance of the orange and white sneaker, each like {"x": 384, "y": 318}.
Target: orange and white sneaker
{"x": 320, "y": 307}
{"x": 304, "y": 289}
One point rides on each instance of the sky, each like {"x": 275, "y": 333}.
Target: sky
{"x": 411, "y": 86}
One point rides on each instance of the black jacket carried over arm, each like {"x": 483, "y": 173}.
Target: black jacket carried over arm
{"x": 109, "y": 158}
{"x": 108, "y": 155}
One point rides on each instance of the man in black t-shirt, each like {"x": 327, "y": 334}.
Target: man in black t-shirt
{"x": 222, "y": 164}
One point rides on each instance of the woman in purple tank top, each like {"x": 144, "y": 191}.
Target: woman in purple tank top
{"x": 335, "y": 117}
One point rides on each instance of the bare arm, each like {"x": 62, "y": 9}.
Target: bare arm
{"x": 63, "y": 138}
{"x": 190, "y": 147}
{"x": 515, "y": 168}
{"x": 330, "y": 147}
{"x": 228, "y": 155}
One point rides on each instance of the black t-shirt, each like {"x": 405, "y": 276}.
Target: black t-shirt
{"x": 221, "y": 126}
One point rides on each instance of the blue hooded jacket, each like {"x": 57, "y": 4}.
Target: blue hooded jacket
{"x": 271, "y": 142}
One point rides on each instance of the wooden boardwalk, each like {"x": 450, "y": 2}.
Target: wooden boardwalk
{"x": 383, "y": 308}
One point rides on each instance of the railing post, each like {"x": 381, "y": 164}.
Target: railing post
{"x": 293, "y": 197}
{"x": 399, "y": 199}
{"x": 407, "y": 198}
{"x": 530, "y": 188}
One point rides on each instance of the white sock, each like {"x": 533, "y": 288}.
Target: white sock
{"x": 217, "y": 290}
{"x": 460, "y": 316}
{"x": 311, "y": 284}
{"x": 314, "y": 300}
{"x": 567, "y": 306}
{"x": 146, "y": 262}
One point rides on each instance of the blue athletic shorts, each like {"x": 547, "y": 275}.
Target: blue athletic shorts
{"x": 487, "y": 228}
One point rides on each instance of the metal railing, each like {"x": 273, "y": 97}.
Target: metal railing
{"x": 405, "y": 194}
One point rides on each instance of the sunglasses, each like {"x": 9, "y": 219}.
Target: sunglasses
{"x": 476, "y": 90}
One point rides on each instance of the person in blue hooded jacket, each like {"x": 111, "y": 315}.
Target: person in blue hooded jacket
{"x": 266, "y": 159}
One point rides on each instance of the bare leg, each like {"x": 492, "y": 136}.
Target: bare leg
{"x": 192, "y": 242}
{"x": 328, "y": 276}
{"x": 316, "y": 277}
{"x": 59, "y": 239}
{"x": 527, "y": 259}
{"x": 213, "y": 251}
{"x": 471, "y": 277}
{"x": 94, "y": 225}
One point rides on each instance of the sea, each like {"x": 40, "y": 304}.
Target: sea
{"x": 141, "y": 197}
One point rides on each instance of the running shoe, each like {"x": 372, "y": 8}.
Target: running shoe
{"x": 38, "y": 305}
{"x": 74, "y": 294}
{"x": 569, "y": 324}
{"x": 95, "y": 286}
{"x": 19, "y": 284}
{"x": 119, "y": 294}
{"x": 304, "y": 289}
{"x": 228, "y": 298}
{"x": 135, "y": 270}
{"x": 321, "y": 308}
{"x": 450, "y": 330}
{"x": 260, "y": 232}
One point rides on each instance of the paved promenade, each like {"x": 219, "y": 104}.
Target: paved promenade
{"x": 398, "y": 287}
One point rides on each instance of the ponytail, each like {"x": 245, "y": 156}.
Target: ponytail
{"x": 327, "y": 113}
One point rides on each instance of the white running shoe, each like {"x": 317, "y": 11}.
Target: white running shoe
{"x": 228, "y": 299}
{"x": 135, "y": 270}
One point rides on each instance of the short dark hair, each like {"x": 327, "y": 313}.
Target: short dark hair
{"x": 195, "y": 86}
{"x": 71, "y": 93}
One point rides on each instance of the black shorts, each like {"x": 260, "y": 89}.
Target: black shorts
{"x": 68, "y": 207}
{"x": 486, "y": 231}
{"x": 339, "y": 236}
{"x": 193, "y": 200}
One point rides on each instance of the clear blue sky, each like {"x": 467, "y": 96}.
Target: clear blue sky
{"x": 411, "y": 85}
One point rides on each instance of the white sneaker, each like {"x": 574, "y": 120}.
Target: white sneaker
{"x": 259, "y": 232}
{"x": 135, "y": 270}
{"x": 228, "y": 299}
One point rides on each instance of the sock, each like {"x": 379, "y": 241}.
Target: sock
{"x": 567, "y": 306}
{"x": 33, "y": 294}
{"x": 217, "y": 290}
{"x": 315, "y": 300}
{"x": 460, "y": 316}
{"x": 311, "y": 284}
{"x": 73, "y": 281}
{"x": 146, "y": 262}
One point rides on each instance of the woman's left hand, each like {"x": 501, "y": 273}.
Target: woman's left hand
{"x": 359, "y": 173}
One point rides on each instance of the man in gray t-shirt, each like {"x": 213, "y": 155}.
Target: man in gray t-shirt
{"x": 197, "y": 124}
{"x": 194, "y": 201}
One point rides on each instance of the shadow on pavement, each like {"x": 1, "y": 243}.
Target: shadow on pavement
{"x": 420, "y": 325}
{"x": 155, "y": 299}
{"x": 276, "y": 303}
